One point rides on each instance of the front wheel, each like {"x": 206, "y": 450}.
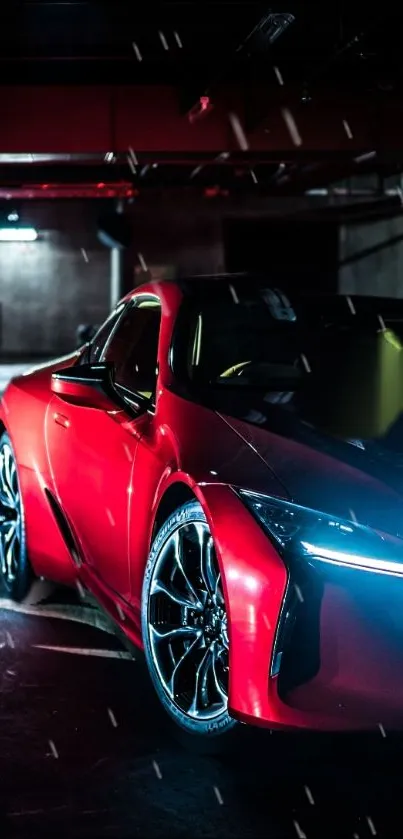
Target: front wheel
{"x": 184, "y": 624}
{"x": 15, "y": 571}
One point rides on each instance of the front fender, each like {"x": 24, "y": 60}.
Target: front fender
{"x": 254, "y": 583}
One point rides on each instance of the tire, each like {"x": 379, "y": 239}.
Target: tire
{"x": 16, "y": 575}
{"x": 198, "y": 640}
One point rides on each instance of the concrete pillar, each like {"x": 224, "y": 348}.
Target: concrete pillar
{"x": 116, "y": 285}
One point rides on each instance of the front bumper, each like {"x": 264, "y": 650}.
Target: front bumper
{"x": 336, "y": 662}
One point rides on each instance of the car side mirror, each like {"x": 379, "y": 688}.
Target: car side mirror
{"x": 89, "y": 385}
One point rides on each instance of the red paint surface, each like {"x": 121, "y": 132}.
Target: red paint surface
{"x": 110, "y": 473}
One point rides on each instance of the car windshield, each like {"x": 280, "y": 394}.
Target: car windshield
{"x": 259, "y": 339}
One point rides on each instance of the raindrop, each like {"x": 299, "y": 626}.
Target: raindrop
{"x": 218, "y": 795}
{"x": 112, "y": 718}
{"x": 239, "y": 132}
{"x": 157, "y": 770}
{"x": 292, "y": 127}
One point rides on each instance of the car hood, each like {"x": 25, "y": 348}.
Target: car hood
{"x": 353, "y": 479}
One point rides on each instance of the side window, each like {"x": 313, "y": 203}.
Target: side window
{"x": 101, "y": 337}
{"x": 133, "y": 348}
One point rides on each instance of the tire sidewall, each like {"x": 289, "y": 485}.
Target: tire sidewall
{"x": 189, "y": 512}
{"x": 19, "y": 588}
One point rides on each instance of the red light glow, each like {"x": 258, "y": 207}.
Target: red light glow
{"x": 200, "y": 109}
{"x": 211, "y": 191}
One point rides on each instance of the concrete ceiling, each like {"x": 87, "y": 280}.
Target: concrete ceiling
{"x": 99, "y": 96}
{"x": 154, "y": 42}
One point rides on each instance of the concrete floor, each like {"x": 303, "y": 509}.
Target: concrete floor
{"x": 85, "y": 750}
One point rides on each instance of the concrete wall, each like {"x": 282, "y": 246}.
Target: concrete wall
{"x": 49, "y": 287}
{"x": 371, "y": 258}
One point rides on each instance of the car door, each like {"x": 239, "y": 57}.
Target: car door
{"x": 92, "y": 451}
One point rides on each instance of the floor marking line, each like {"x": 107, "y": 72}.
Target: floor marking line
{"x": 78, "y": 614}
{"x": 122, "y": 654}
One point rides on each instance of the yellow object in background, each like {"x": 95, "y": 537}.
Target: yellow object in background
{"x": 363, "y": 394}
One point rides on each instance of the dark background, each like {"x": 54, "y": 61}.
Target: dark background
{"x": 50, "y": 286}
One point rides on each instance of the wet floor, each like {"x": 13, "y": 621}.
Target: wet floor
{"x": 85, "y": 750}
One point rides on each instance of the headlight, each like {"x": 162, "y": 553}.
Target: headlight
{"x": 302, "y": 532}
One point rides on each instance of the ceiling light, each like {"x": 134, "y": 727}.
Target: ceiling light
{"x": 18, "y": 234}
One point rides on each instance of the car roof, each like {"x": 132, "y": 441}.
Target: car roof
{"x": 201, "y": 286}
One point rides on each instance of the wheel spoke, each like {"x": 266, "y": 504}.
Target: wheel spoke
{"x": 200, "y": 690}
{"x": 6, "y": 488}
{"x": 178, "y": 554}
{"x": 174, "y": 596}
{"x": 3, "y": 555}
{"x": 10, "y": 557}
{"x": 6, "y": 505}
{"x": 10, "y": 512}
{"x": 10, "y": 534}
{"x": 179, "y": 633}
{"x": 7, "y": 550}
{"x": 183, "y": 662}
{"x": 8, "y": 468}
{"x": 6, "y": 522}
{"x": 6, "y": 498}
{"x": 218, "y": 595}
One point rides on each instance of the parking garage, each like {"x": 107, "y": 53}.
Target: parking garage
{"x": 159, "y": 143}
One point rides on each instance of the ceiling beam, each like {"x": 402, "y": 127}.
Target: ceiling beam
{"x": 86, "y": 119}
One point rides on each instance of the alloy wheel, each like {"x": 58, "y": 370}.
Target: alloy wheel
{"x": 187, "y": 623}
{"x": 10, "y": 516}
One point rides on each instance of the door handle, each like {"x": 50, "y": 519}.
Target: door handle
{"x": 60, "y": 419}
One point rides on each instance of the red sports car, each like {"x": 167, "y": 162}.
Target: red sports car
{"x": 195, "y": 467}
